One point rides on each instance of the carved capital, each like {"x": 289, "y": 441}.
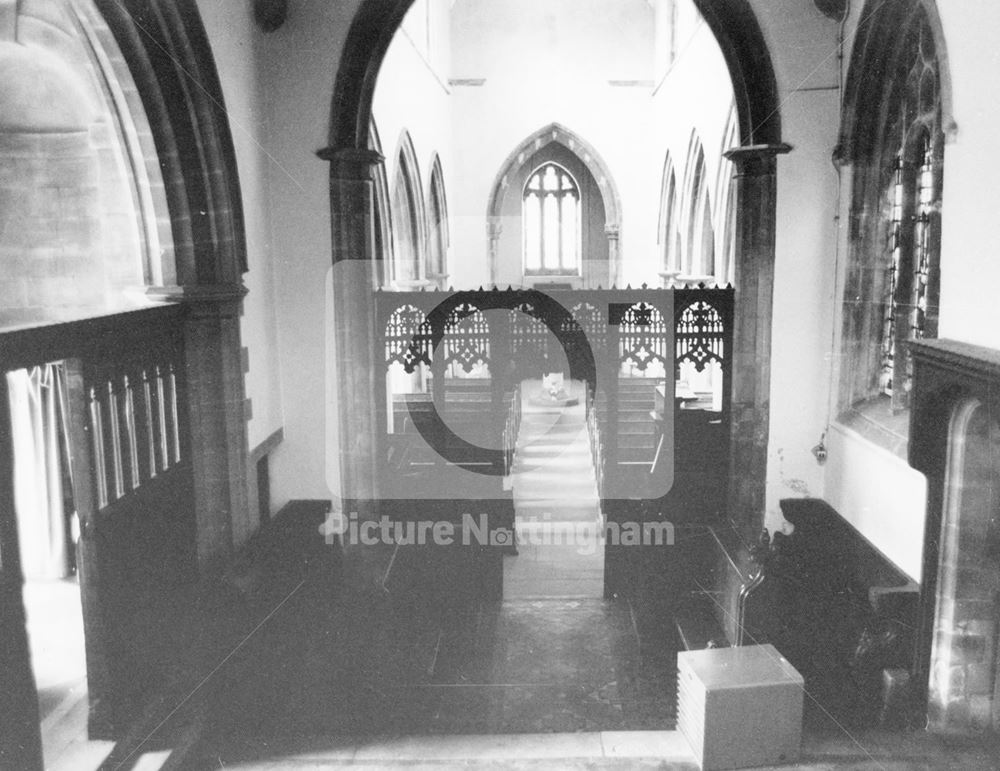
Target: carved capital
{"x": 201, "y": 296}
{"x": 351, "y": 163}
{"x": 756, "y": 160}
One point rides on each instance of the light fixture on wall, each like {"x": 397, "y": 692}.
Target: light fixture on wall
{"x": 819, "y": 451}
{"x": 270, "y": 14}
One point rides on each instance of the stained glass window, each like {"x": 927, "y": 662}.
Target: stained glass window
{"x": 922, "y": 245}
{"x": 893, "y": 247}
{"x": 892, "y": 136}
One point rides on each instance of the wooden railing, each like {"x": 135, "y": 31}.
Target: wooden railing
{"x": 134, "y": 411}
{"x": 512, "y": 425}
{"x": 128, "y": 385}
{"x": 132, "y": 479}
{"x": 597, "y": 449}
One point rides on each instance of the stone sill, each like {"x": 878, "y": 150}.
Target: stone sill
{"x": 875, "y": 421}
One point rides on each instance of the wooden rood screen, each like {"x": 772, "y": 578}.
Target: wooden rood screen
{"x": 453, "y": 361}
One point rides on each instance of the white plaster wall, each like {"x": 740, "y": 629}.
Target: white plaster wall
{"x": 413, "y": 95}
{"x": 236, "y": 43}
{"x": 549, "y": 63}
{"x": 880, "y": 495}
{"x": 237, "y": 60}
{"x": 970, "y": 270}
{"x": 804, "y": 50}
{"x": 301, "y": 60}
{"x": 693, "y": 96}
{"x": 804, "y": 301}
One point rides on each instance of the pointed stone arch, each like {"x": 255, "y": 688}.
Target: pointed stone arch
{"x": 556, "y": 133}
{"x": 409, "y": 215}
{"x": 666, "y": 228}
{"x": 733, "y": 23}
{"x": 438, "y": 225}
{"x": 745, "y": 51}
{"x": 876, "y": 50}
{"x": 382, "y": 210}
{"x": 895, "y": 124}
{"x": 725, "y": 204}
{"x": 695, "y": 202}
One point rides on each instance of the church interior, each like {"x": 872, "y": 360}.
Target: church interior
{"x": 446, "y": 383}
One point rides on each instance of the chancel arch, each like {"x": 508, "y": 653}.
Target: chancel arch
{"x": 746, "y": 54}
{"x": 732, "y": 22}
{"x": 599, "y": 210}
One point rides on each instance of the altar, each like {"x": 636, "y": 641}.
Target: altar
{"x": 553, "y": 391}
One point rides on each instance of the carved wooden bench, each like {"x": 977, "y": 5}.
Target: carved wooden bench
{"x": 835, "y": 606}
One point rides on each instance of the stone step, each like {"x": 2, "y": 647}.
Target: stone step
{"x": 666, "y": 750}
{"x": 636, "y": 428}
{"x": 635, "y": 455}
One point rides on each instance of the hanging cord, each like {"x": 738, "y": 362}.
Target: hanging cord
{"x": 820, "y": 449}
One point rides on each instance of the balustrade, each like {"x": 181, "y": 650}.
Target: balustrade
{"x": 129, "y": 446}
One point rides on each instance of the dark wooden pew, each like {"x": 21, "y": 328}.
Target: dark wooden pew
{"x": 835, "y": 606}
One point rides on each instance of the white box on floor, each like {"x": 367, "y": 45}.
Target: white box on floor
{"x": 739, "y": 707}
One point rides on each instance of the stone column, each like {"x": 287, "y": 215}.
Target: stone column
{"x": 216, "y": 405}
{"x": 755, "y": 175}
{"x": 356, "y": 365}
{"x": 493, "y": 230}
{"x": 613, "y": 232}
{"x": 216, "y": 396}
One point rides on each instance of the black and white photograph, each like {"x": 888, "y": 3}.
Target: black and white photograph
{"x": 503, "y": 384}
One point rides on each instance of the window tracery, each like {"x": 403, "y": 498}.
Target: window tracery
{"x": 894, "y": 137}
{"x": 552, "y": 226}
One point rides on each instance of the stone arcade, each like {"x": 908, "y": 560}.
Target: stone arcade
{"x": 271, "y": 265}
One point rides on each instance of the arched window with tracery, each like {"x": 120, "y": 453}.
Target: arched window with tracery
{"x": 704, "y": 260}
{"x": 438, "y": 236}
{"x": 383, "y": 217}
{"x": 699, "y": 257}
{"x": 725, "y": 272}
{"x": 408, "y": 219}
{"x": 893, "y": 135}
{"x": 551, "y": 222}
{"x": 911, "y": 257}
{"x": 667, "y": 231}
